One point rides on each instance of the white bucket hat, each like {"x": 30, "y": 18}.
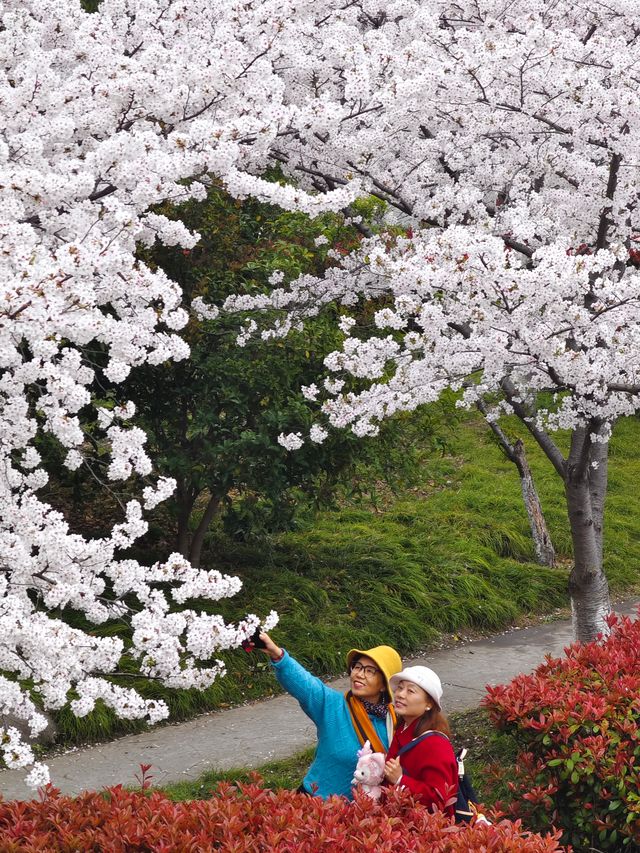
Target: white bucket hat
{"x": 423, "y": 677}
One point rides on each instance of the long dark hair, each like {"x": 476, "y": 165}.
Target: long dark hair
{"x": 432, "y": 720}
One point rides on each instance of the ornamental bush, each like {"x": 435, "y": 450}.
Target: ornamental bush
{"x": 247, "y": 819}
{"x": 576, "y": 723}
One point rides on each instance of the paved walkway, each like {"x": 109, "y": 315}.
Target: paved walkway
{"x": 251, "y": 735}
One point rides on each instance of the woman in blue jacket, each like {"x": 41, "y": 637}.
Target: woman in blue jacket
{"x": 343, "y": 721}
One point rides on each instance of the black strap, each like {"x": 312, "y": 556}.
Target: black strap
{"x": 418, "y": 740}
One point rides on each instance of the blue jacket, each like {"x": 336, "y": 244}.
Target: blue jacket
{"x": 336, "y": 754}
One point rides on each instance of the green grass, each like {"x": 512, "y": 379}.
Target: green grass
{"x": 491, "y": 754}
{"x": 286, "y": 773}
{"x": 449, "y": 553}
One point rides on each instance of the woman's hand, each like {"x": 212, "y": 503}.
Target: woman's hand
{"x": 274, "y": 652}
{"x": 392, "y": 770}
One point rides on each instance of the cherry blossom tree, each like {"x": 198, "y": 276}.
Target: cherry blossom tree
{"x": 509, "y": 134}
{"x": 103, "y": 116}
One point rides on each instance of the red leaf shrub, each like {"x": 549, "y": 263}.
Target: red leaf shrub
{"x": 247, "y": 819}
{"x": 576, "y": 722}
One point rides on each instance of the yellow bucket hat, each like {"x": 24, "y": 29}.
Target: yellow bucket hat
{"x": 387, "y": 660}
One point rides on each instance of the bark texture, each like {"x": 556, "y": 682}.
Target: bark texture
{"x": 211, "y": 510}
{"x": 542, "y": 544}
{"x": 585, "y": 489}
{"x": 190, "y": 545}
{"x": 585, "y": 475}
{"x": 185, "y": 499}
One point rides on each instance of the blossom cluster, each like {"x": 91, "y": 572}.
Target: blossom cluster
{"x": 104, "y": 116}
{"x": 509, "y": 140}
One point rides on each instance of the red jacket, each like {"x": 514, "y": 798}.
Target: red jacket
{"x": 430, "y": 769}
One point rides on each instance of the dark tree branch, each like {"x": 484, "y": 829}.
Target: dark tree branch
{"x": 578, "y": 461}
{"x": 499, "y": 433}
{"x": 509, "y": 390}
{"x": 102, "y": 193}
{"x": 623, "y": 388}
{"x": 19, "y": 310}
{"x": 546, "y": 443}
{"x": 518, "y": 247}
{"x": 605, "y": 216}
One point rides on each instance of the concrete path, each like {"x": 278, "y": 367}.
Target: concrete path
{"x": 251, "y": 735}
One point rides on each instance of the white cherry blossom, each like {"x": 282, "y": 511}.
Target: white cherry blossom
{"x": 291, "y": 441}
{"x": 103, "y": 116}
{"x": 506, "y": 138}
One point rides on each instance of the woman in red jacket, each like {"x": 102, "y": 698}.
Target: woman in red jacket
{"x": 421, "y": 757}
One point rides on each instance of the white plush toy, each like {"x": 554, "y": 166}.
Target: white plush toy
{"x": 369, "y": 771}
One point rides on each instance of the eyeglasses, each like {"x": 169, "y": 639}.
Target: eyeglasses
{"x": 369, "y": 671}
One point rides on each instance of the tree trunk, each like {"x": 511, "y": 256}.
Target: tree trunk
{"x": 183, "y": 533}
{"x": 585, "y": 489}
{"x": 195, "y": 552}
{"x": 542, "y": 544}
{"x": 584, "y": 475}
{"x": 184, "y": 500}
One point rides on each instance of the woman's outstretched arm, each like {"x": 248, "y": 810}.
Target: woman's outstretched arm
{"x": 310, "y": 691}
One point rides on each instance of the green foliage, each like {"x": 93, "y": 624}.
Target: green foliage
{"x": 213, "y": 421}
{"x": 287, "y": 773}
